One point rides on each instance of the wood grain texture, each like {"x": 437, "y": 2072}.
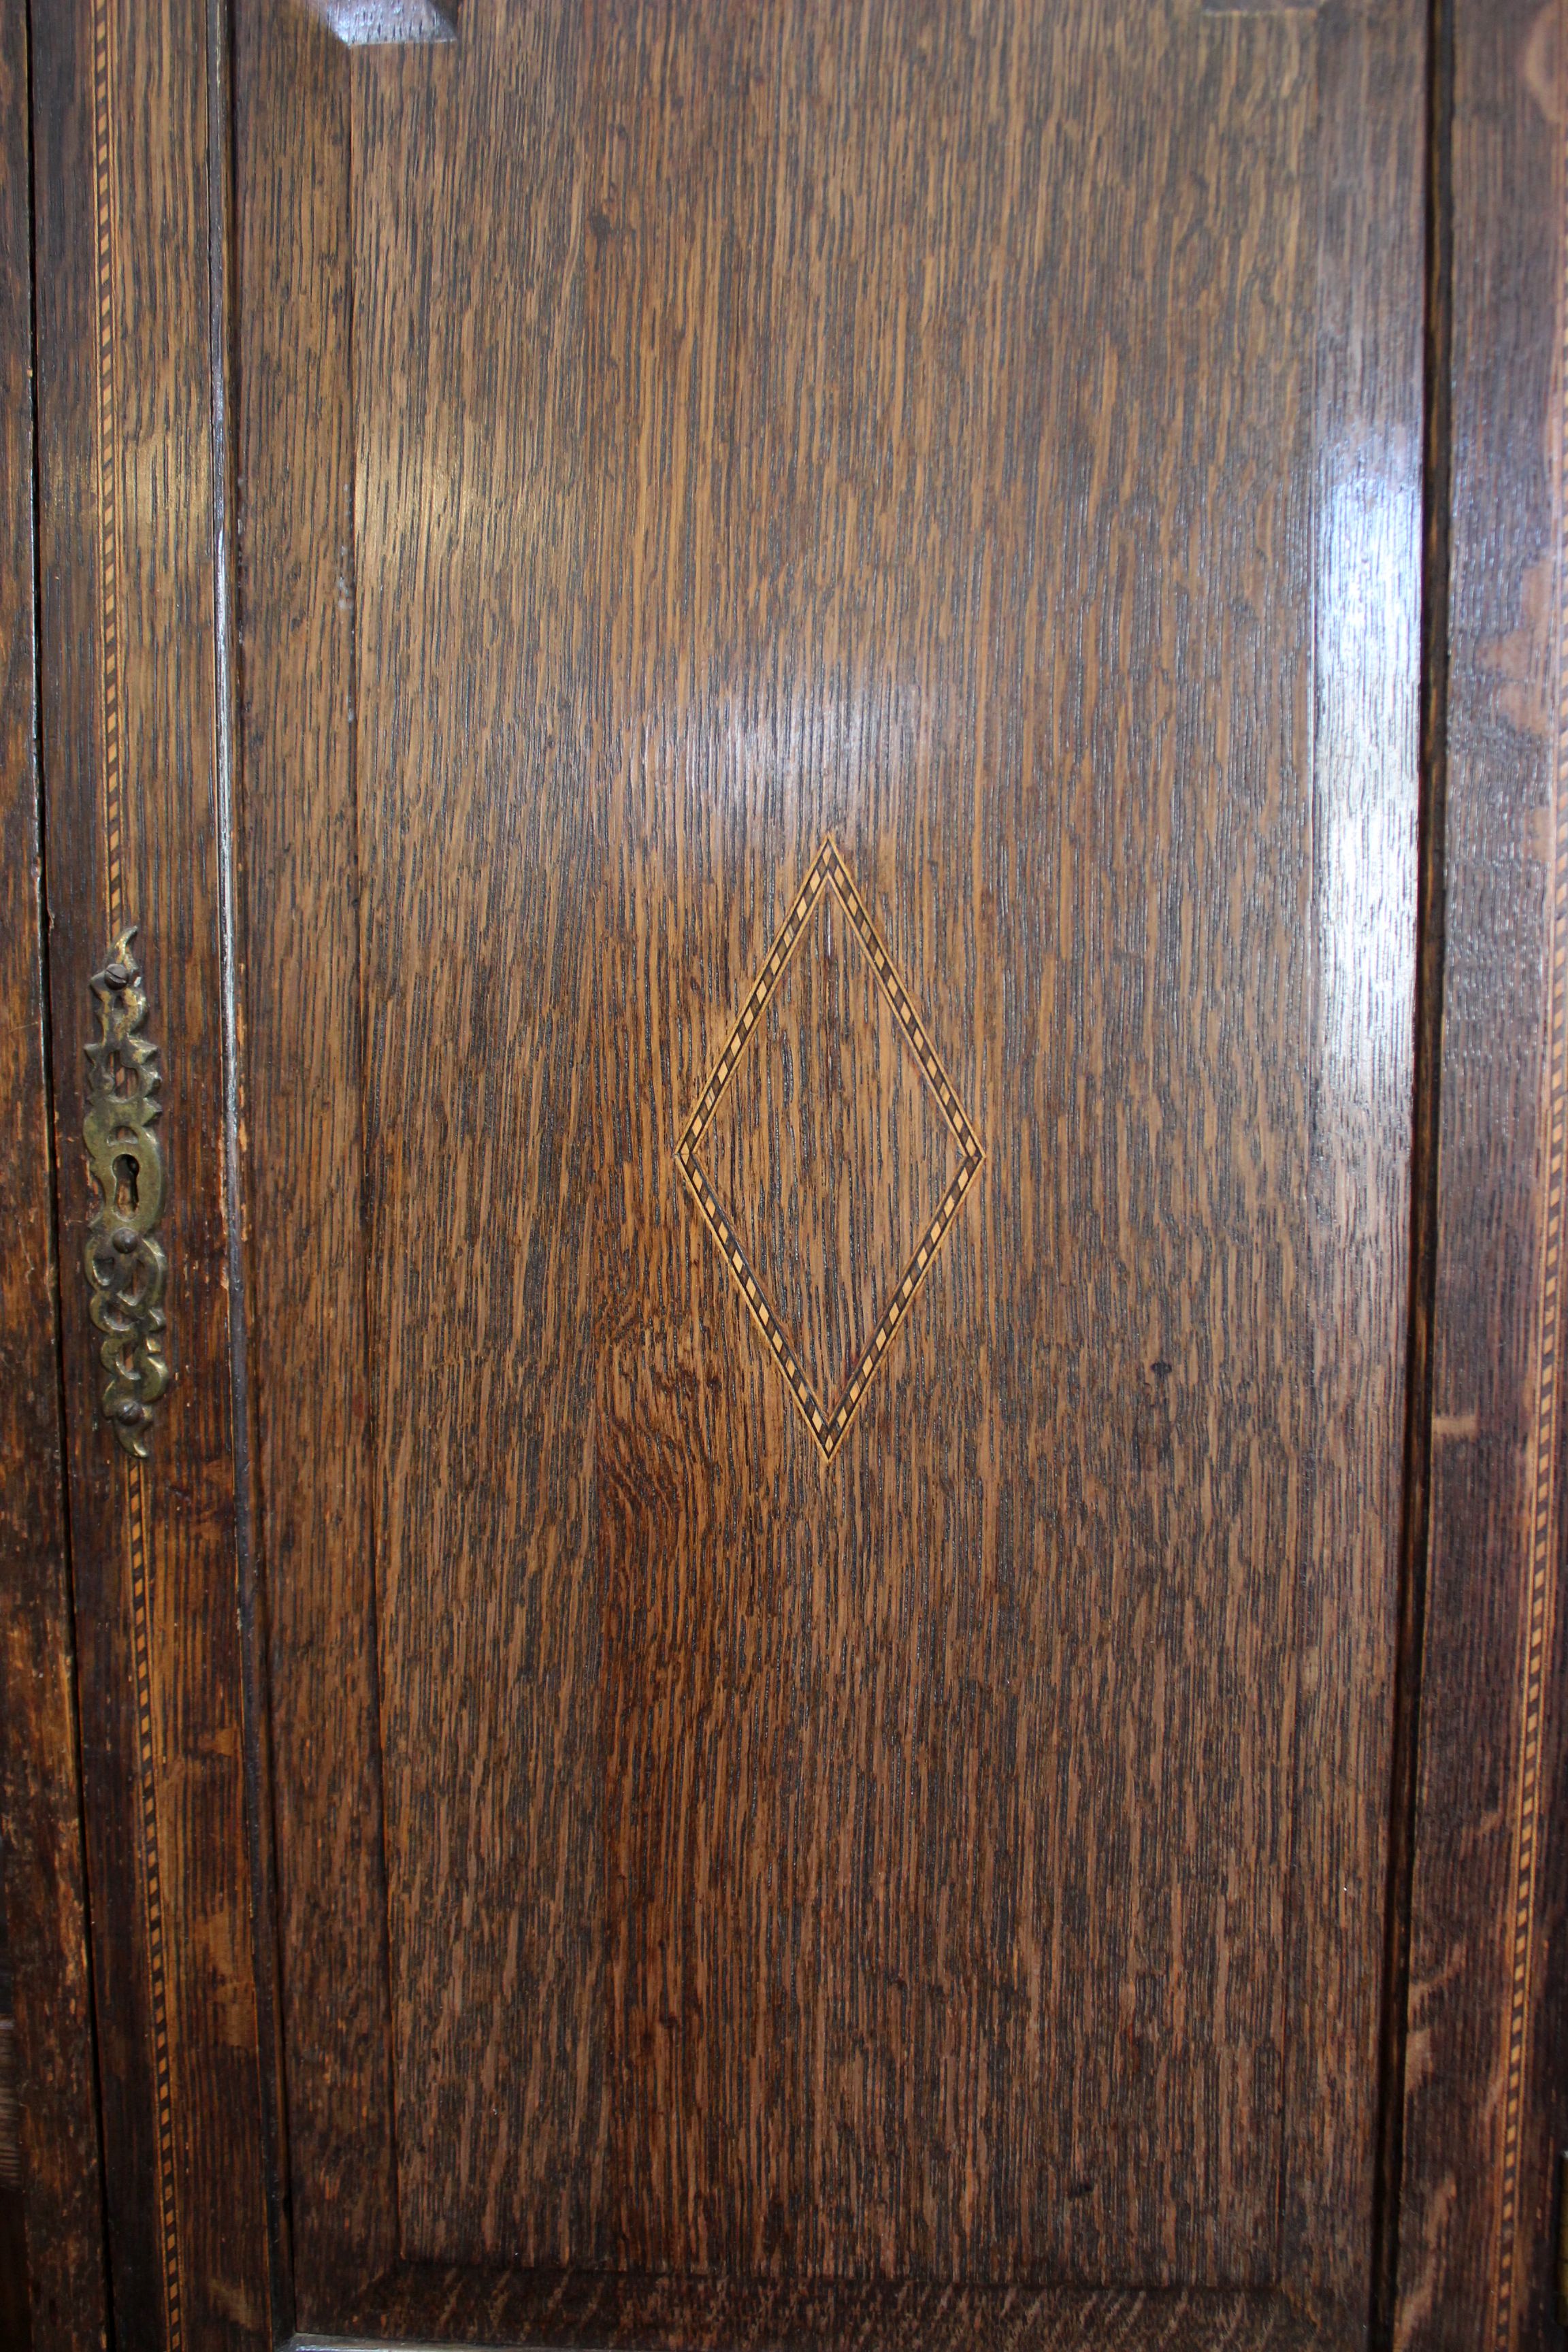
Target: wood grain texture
{"x": 1505, "y": 808}
{"x": 948, "y": 1858}
{"x": 307, "y": 1186}
{"x": 965, "y": 1858}
{"x": 56, "y": 2237}
{"x": 183, "y": 2169}
{"x": 478, "y": 856}
{"x": 423, "y": 2303}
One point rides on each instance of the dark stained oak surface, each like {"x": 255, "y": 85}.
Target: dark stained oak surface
{"x": 296, "y": 750}
{"x": 669, "y": 438}
{"x": 479, "y": 841}
{"x": 957, "y": 400}
{"x": 53, "y": 2283}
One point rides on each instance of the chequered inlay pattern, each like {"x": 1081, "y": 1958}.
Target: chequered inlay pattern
{"x": 829, "y": 1420}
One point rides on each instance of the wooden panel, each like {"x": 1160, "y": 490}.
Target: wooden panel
{"x": 1487, "y": 2098}
{"x": 129, "y": 730}
{"x": 899, "y": 778}
{"x": 958, "y": 381}
{"x": 60, "y": 2258}
{"x": 965, "y": 1856}
{"x": 295, "y": 597}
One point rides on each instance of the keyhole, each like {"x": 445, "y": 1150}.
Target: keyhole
{"x": 125, "y": 1178}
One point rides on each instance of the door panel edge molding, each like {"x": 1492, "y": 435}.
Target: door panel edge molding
{"x": 1485, "y": 2095}
{"x": 127, "y": 626}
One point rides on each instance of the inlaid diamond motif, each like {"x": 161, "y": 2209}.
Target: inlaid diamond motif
{"x": 828, "y": 1151}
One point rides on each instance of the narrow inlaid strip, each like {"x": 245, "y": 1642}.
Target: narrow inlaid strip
{"x": 157, "y": 1957}
{"x": 908, "y": 1020}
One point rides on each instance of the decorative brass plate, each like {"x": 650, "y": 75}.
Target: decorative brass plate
{"x": 828, "y": 1417}
{"x": 126, "y": 1268}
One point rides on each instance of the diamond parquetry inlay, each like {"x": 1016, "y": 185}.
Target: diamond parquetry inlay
{"x": 828, "y": 1151}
